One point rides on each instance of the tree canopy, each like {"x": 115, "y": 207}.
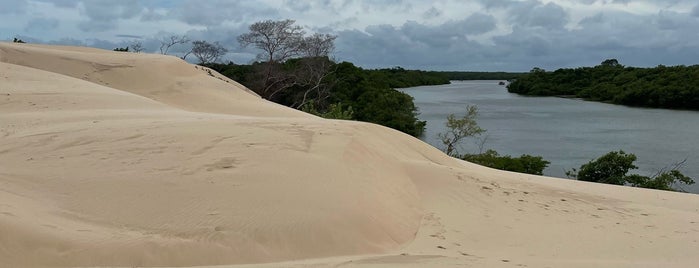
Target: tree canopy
{"x": 675, "y": 87}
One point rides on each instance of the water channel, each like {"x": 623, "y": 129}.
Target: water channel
{"x": 566, "y": 132}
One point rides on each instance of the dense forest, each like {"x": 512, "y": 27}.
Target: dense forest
{"x": 675, "y": 87}
{"x": 359, "y": 94}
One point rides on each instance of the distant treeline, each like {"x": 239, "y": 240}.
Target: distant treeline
{"x": 675, "y": 87}
{"x": 398, "y": 77}
{"x": 481, "y": 75}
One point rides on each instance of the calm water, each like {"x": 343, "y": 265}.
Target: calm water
{"x": 566, "y": 132}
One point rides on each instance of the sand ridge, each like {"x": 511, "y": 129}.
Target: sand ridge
{"x": 123, "y": 159}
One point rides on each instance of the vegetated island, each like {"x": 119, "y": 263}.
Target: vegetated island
{"x": 673, "y": 87}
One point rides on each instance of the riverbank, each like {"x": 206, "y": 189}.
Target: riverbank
{"x": 673, "y": 87}
{"x": 567, "y": 132}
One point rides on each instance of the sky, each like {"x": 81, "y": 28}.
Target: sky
{"x": 459, "y": 35}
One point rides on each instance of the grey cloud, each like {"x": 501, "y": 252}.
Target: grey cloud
{"x": 412, "y": 45}
{"x": 342, "y": 23}
{"x": 103, "y": 14}
{"x": 62, "y": 3}
{"x": 534, "y": 14}
{"x": 477, "y": 23}
{"x": 489, "y": 4}
{"x": 387, "y": 6}
{"x": 638, "y": 40}
{"x": 97, "y": 25}
{"x": 215, "y": 12}
{"x": 41, "y": 24}
{"x": 13, "y": 7}
{"x": 109, "y": 10}
{"x": 668, "y": 20}
{"x": 596, "y": 19}
{"x": 431, "y": 13}
{"x": 537, "y": 37}
{"x": 297, "y": 6}
{"x": 152, "y": 15}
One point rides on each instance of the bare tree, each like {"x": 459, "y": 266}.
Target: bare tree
{"x": 279, "y": 40}
{"x": 207, "y": 52}
{"x": 167, "y": 43}
{"x": 318, "y": 45}
{"x": 136, "y": 46}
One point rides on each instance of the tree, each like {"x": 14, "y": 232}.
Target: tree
{"x": 318, "y": 45}
{"x": 458, "y": 129}
{"x": 612, "y": 168}
{"x": 122, "y": 49}
{"x": 173, "y": 40}
{"x": 611, "y": 63}
{"x": 279, "y": 40}
{"x": 136, "y": 46}
{"x": 297, "y": 69}
{"x": 207, "y": 52}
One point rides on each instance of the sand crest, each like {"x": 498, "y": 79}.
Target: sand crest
{"x": 123, "y": 159}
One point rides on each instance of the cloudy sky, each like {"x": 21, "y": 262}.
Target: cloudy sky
{"x": 482, "y": 35}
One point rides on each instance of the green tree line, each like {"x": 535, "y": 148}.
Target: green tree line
{"x": 369, "y": 94}
{"x": 674, "y": 87}
{"x": 481, "y": 75}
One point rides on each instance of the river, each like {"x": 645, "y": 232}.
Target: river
{"x": 566, "y": 132}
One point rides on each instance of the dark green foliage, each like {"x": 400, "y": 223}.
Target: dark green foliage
{"x": 523, "y": 164}
{"x": 398, "y": 77}
{"x": 675, "y": 87}
{"x": 368, "y": 93}
{"x": 612, "y": 168}
{"x": 389, "y": 107}
{"x": 663, "y": 181}
{"x": 18, "y": 41}
{"x": 122, "y": 49}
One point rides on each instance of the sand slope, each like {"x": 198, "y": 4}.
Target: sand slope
{"x": 122, "y": 159}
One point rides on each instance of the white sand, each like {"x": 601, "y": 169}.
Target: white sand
{"x": 122, "y": 159}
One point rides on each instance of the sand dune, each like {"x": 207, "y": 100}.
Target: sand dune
{"x": 122, "y": 159}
